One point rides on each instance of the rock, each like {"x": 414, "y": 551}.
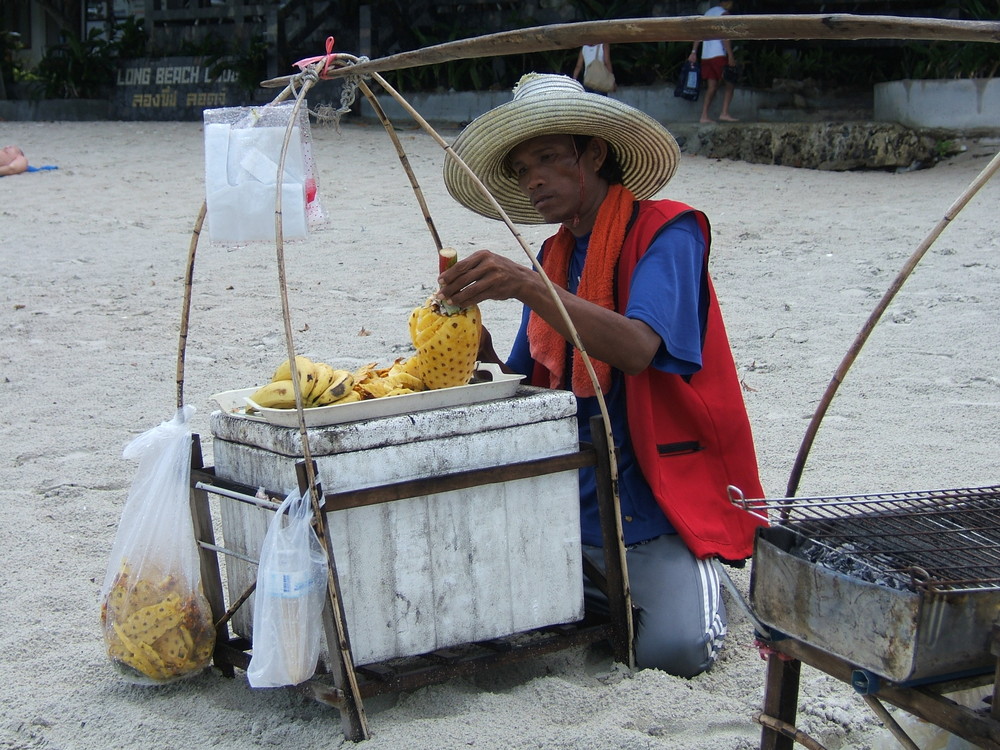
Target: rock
{"x": 820, "y": 145}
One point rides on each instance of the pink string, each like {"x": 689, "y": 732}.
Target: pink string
{"x": 328, "y": 58}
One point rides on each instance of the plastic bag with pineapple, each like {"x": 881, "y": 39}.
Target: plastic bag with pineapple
{"x": 156, "y": 621}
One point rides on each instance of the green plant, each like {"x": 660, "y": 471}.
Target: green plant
{"x": 248, "y": 62}
{"x": 130, "y": 39}
{"x": 85, "y": 68}
{"x": 946, "y": 148}
{"x": 78, "y": 68}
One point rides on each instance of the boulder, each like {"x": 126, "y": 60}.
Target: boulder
{"x": 820, "y": 145}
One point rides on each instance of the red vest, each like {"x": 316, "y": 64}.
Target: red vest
{"x": 692, "y": 435}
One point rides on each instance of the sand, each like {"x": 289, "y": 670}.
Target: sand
{"x": 93, "y": 257}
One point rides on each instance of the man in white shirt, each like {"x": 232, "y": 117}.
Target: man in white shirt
{"x": 716, "y": 55}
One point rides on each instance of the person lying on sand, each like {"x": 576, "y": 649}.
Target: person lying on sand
{"x": 12, "y": 161}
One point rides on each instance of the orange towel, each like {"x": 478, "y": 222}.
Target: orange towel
{"x": 596, "y": 285}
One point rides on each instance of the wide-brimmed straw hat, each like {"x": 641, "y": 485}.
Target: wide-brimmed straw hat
{"x": 547, "y": 105}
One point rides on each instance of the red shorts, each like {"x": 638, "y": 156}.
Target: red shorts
{"x": 711, "y": 69}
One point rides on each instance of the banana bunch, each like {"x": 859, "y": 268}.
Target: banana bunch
{"x": 319, "y": 383}
{"x": 156, "y": 629}
{"x": 323, "y": 385}
{"x": 447, "y": 343}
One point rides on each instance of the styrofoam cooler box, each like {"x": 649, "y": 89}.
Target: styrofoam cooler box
{"x": 428, "y": 572}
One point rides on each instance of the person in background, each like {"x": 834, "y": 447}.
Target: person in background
{"x": 589, "y": 53}
{"x": 12, "y": 161}
{"x": 633, "y": 276}
{"x": 716, "y": 56}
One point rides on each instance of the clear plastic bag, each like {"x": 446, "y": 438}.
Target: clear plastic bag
{"x": 156, "y": 621}
{"x": 288, "y": 602}
{"x": 242, "y": 152}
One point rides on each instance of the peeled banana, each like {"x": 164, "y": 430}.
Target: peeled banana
{"x": 324, "y": 385}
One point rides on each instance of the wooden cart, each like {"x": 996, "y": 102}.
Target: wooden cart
{"x": 348, "y": 686}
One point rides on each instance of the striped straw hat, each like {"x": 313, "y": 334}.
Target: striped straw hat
{"x": 546, "y": 105}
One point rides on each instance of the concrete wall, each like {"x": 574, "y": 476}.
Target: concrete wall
{"x": 658, "y": 102}
{"x": 970, "y": 106}
{"x": 55, "y": 110}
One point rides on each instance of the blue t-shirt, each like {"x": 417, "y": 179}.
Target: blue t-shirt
{"x": 666, "y": 294}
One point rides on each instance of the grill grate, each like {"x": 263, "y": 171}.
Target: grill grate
{"x": 940, "y": 540}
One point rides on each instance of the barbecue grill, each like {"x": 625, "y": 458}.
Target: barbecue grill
{"x": 889, "y": 590}
{"x": 906, "y": 585}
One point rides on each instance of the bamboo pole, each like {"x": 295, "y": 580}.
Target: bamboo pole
{"x": 787, "y": 730}
{"x": 574, "y": 334}
{"x": 564, "y": 314}
{"x": 186, "y": 304}
{"x": 357, "y": 721}
{"x": 405, "y": 161}
{"x": 890, "y": 723}
{"x": 684, "y": 28}
{"x": 873, "y": 319}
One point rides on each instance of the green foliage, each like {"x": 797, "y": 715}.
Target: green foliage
{"x": 247, "y": 61}
{"x": 85, "y": 68}
{"x": 830, "y": 64}
{"x": 78, "y": 68}
{"x": 130, "y": 39}
{"x": 946, "y": 148}
{"x": 10, "y": 45}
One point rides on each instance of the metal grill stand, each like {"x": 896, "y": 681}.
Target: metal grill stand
{"x": 351, "y": 685}
{"x": 927, "y": 701}
{"x": 916, "y": 617}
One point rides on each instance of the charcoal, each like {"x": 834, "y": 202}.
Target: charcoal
{"x": 849, "y": 560}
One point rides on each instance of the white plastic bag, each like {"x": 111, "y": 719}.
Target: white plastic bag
{"x": 242, "y": 151}
{"x": 288, "y": 602}
{"x": 156, "y": 620}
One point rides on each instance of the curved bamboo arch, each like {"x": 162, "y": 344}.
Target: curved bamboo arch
{"x": 618, "y": 31}
{"x": 683, "y": 28}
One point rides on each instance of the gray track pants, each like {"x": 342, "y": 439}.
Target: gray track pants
{"x": 681, "y": 618}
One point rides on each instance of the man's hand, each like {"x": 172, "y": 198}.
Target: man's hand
{"x": 484, "y": 276}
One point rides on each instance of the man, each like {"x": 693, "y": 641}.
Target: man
{"x": 12, "y": 161}
{"x": 716, "y": 55}
{"x": 633, "y": 276}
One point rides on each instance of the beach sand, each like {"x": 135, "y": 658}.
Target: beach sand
{"x": 92, "y": 286}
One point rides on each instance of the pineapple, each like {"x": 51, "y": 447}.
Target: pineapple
{"x": 447, "y": 343}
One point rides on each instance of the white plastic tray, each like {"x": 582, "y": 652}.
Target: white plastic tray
{"x": 489, "y": 383}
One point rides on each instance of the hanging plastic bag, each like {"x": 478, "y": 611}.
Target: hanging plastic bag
{"x": 288, "y": 602}
{"x": 242, "y": 152}
{"x": 156, "y": 620}
{"x": 689, "y": 82}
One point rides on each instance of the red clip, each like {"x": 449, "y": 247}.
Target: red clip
{"x": 766, "y": 651}
{"x": 328, "y": 58}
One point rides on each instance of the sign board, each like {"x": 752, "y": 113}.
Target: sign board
{"x": 172, "y": 88}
